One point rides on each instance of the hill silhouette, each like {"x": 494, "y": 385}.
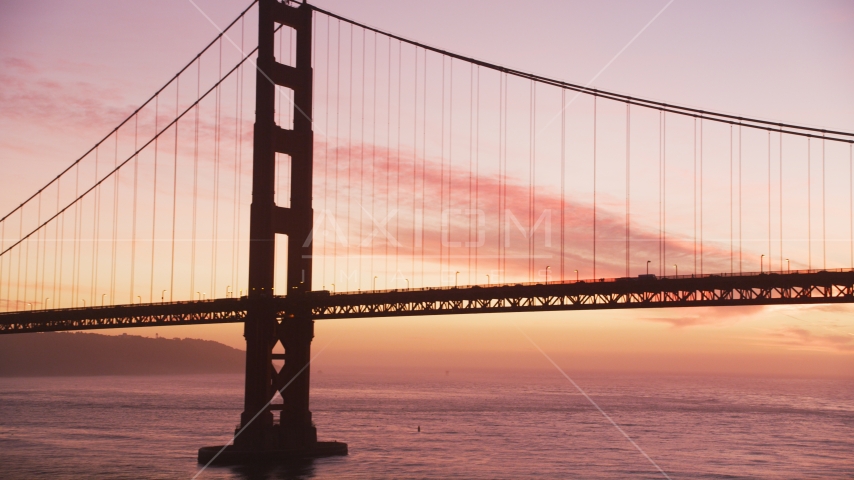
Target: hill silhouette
{"x": 58, "y": 354}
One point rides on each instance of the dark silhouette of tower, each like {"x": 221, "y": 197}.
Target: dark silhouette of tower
{"x": 259, "y": 436}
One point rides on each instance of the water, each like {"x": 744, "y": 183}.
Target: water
{"x": 473, "y": 425}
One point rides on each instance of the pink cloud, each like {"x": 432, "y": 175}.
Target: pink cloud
{"x": 367, "y": 173}
{"x": 707, "y": 315}
{"x": 800, "y": 338}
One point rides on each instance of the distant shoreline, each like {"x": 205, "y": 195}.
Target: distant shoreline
{"x": 91, "y": 354}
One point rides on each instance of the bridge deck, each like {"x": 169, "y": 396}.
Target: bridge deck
{"x": 799, "y": 287}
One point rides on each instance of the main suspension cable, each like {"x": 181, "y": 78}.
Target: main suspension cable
{"x": 135, "y": 112}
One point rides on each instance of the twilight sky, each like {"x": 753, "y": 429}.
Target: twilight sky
{"x": 71, "y": 70}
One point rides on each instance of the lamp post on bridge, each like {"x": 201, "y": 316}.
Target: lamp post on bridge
{"x": 788, "y": 269}
{"x": 487, "y": 279}
{"x": 647, "y": 266}
{"x": 576, "y": 276}
{"x": 762, "y": 263}
{"x": 456, "y": 279}
{"x": 547, "y": 274}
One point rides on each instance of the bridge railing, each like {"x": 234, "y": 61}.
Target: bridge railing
{"x": 599, "y": 280}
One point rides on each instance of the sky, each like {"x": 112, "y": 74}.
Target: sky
{"x": 70, "y": 71}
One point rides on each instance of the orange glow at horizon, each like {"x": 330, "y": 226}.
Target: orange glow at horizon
{"x": 774, "y": 341}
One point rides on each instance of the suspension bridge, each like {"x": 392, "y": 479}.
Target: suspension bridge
{"x": 392, "y": 178}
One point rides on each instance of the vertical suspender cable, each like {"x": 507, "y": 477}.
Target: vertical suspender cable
{"x": 562, "y": 180}
{"x": 471, "y": 166}
{"x": 442, "y": 182}
{"x": 387, "y": 164}
{"x": 20, "y": 253}
{"x": 397, "y": 164}
{"x": 60, "y": 240}
{"x": 701, "y": 195}
{"x": 809, "y": 204}
{"x": 450, "y": 153}
{"x": 235, "y": 207}
{"x": 628, "y": 187}
{"x": 534, "y": 184}
{"x": 731, "y": 245}
{"x": 414, "y": 158}
{"x": 740, "y": 209}
{"x": 44, "y": 259}
{"x": 75, "y": 264}
{"x": 21, "y": 248}
{"x": 769, "y": 200}
{"x": 44, "y": 267}
{"x": 133, "y": 229}
{"x": 57, "y": 251}
{"x": 326, "y": 141}
{"x": 662, "y": 262}
{"x": 823, "y": 210}
{"x": 374, "y": 145}
{"x": 349, "y": 160}
{"x": 695, "y": 193}
{"x": 96, "y": 233}
{"x": 115, "y": 224}
{"x": 477, "y": 174}
{"x": 664, "y": 191}
{"x": 423, "y": 162}
{"x": 240, "y": 73}
{"x": 175, "y": 190}
{"x": 154, "y": 199}
{"x": 532, "y": 149}
{"x": 217, "y": 156}
{"x": 503, "y": 269}
{"x": 595, "y": 102}
{"x": 336, "y": 166}
{"x": 26, "y": 254}
{"x": 195, "y": 178}
{"x": 501, "y": 173}
{"x": 362, "y": 161}
{"x": 38, "y": 244}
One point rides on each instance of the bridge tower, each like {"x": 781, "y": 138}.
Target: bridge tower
{"x": 260, "y": 437}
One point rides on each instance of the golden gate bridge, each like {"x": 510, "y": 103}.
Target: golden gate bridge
{"x": 392, "y": 178}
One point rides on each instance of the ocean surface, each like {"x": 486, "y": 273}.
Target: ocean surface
{"x": 473, "y": 425}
